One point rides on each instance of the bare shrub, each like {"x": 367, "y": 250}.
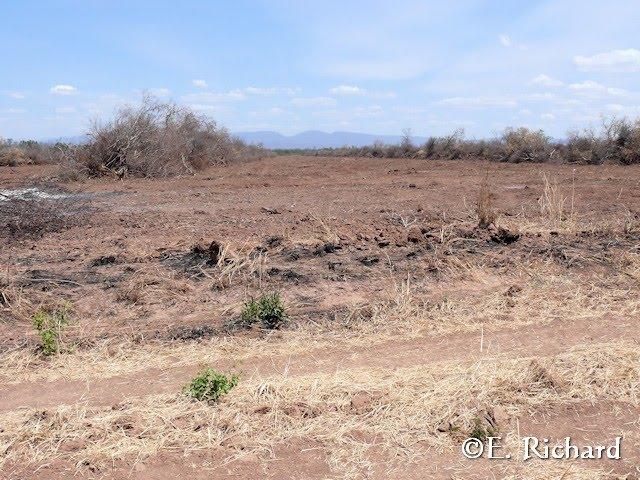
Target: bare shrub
{"x": 623, "y": 140}
{"x": 446, "y": 147}
{"x": 525, "y": 145}
{"x": 156, "y": 139}
{"x": 377, "y": 150}
{"x": 11, "y": 156}
{"x": 28, "y": 152}
{"x": 406, "y": 144}
{"x": 584, "y": 147}
{"x": 618, "y": 141}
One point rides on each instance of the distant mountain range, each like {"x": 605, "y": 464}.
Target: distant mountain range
{"x": 318, "y": 139}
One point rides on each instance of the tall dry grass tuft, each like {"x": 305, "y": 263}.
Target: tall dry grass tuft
{"x": 232, "y": 266}
{"x": 555, "y": 205}
{"x": 487, "y": 215}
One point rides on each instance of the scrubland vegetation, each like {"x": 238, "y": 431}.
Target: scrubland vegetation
{"x": 152, "y": 139}
{"x": 157, "y": 139}
{"x": 617, "y": 141}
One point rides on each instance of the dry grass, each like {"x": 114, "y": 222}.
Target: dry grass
{"x": 243, "y": 264}
{"x": 555, "y": 205}
{"x": 14, "y": 304}
{"x": 486, "y": 213}
{"x": 406, "y": 410}
{"x": 478, "y": 300}
{"x": 149, "y": 285}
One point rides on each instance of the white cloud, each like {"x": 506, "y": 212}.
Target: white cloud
{"x": 546, "y": 81}
{"x": 548, "y": 116}
{"x": 63, "y": 90}
{"x": 313, "y": 102}
{"x": 595, "y": 89}
{"x": 505, "y": 40}
{"x": 15, "y": 110}
{"x": 478, "y": 102}
{"x": 524, "y": 112}
{"x": 384, "y": 95}
{"x": 615, "y": 61}
{"x": 199, "y": 83}
{"x": 160, "y": 92}
{"x": 212, "y": 97}
{"x": 271, "y": 91}
{"x": 347, "y": 90}
{"x": 16, "y": 95}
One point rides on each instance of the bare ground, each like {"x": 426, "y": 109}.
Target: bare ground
{"x": 408, "y": 323}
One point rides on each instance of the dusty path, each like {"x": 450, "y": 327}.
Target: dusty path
{"x": 529, "y": 341}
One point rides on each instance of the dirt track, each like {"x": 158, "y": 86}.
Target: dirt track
{"x": 382, "y": 270}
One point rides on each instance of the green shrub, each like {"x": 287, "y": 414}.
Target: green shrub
{"x": 49, "y": 325}
{"x": 209, "y": 385}
{"x": 268, "y": 310}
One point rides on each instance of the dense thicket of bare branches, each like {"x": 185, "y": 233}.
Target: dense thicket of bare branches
{"x": 156, "y": 139}
{"x": 29, "y": 152}
{"x": 618, "y": 141}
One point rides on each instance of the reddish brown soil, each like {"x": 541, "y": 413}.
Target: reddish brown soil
{"x": 333, "y": 236}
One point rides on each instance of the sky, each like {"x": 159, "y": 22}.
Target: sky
{"x": 364, "y": 66}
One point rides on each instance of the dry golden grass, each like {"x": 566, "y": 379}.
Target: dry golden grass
{"x": 238, "y": 265}
{"x": 14, "y": 304}
{"x": 553, "y": 202}
{"x": 484, "y": 209}
{"x": 151, "y": 285}
{"x": 477, "y": 300}
{"x": 403, "y": 411}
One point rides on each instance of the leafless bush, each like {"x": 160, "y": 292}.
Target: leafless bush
{"x": 622, "y": 139}
{"x": 27, "y": 152}
{"x": 10, "y": 157}
{"x": 156, "y": 139}
{"x": 525, "y": 145}
{"x": 617, "y": 141}
{"x": 446, "y": 147}
{"x": 584, "y": 147}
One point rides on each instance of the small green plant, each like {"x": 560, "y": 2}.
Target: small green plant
{"x": 49, "y": 324}
{"x": 209, "y": 385}
{"x": 481, "y": 431}
{"x": 268, "y": 310}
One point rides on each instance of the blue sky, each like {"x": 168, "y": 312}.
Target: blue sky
{"x": 364, "y": 66}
